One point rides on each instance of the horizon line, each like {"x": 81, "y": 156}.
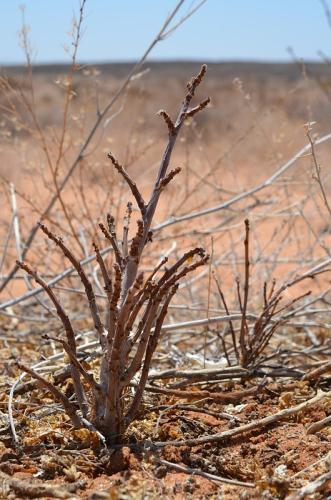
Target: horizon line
{"x": 163, "y": 61}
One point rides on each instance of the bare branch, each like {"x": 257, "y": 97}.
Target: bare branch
{"x": 105, "y": 275}
{"x": 83, "y": 276}
{"x": 169, "y": 178}
{"x": 111, "y": 237}
{"x": 193, "y": 111}
{"x": 81, "y": 397}
{"x": 126, "y": 224}
{"x": 58, "y": 395}
{"x": 75, "y": 362}
{"x": 168, "y": 120}
{"x": 132, "y": 185}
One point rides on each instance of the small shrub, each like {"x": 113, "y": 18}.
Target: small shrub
{"x": 137, "y": 306}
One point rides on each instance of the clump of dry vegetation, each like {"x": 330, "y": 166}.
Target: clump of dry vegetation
{"x": 174, "y": 338}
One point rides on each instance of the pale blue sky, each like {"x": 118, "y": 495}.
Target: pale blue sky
{"x": 121, "y": 29}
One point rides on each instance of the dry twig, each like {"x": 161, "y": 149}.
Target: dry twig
{"x": 197, "y": 472}
{"x": 255, "y": 425}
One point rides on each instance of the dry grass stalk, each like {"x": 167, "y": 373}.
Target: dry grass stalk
{"x": 136, "y": 308}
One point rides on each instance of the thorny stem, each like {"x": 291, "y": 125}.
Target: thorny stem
{"x": 149, "y": 210}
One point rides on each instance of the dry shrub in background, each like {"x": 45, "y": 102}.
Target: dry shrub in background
{"x": 249, "y": 348}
